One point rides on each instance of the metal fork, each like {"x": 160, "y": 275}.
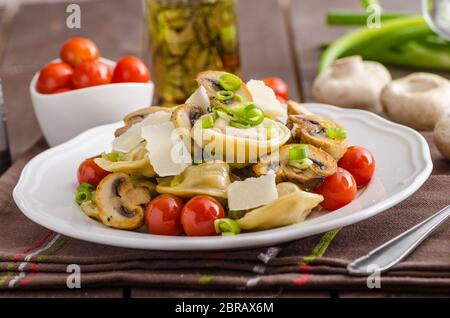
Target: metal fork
{"x": 390, "y": 253}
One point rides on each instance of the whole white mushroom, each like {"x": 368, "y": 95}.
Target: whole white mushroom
{"x": 442, "y": 136}
{"x": 418, "y": 100}
{"x": 352, "y": 83}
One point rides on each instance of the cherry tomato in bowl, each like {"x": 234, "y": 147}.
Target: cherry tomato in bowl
{"x": 91, "y": 73}
{"x": 90, "y": 172}
{"x": 279, "y": 87}
{"x": 198, "y": 215}
{"x": 130, "y": 69}
{"x": 77, "y": 50}
{"x": 54, "y": 77}
{"x": 338, "y": 190}
{"x": 163, "y": 215}
{"x": 360, "y": 163}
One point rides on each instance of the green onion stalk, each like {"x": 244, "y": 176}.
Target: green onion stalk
{"x": 402, "y": 40}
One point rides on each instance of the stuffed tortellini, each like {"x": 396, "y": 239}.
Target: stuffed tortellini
{"x": 135, "y": 162}
{"x": 292, "y": 206}
{"x": 211, "y": 178}
{"x": 239, "y": 145}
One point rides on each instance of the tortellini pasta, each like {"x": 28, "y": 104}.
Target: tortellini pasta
{"x": 211, "y": 178}
{"x": 292, "y": 206}
{"x": 135, "y": 162}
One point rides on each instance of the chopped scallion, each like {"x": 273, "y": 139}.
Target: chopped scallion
{"x": 230, "y": 82}
{"x": 226, "y": 226}
{"x": 208, "y": 122}
{"x": 84, "y": 193}
{"x": 224, "y": 95}
{"x": 298, "y": 152}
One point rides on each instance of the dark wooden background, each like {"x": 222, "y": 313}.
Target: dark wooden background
{"x": 278, "y": 38}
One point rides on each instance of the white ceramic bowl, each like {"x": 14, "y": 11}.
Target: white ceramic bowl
{"x": 63, "y": 116}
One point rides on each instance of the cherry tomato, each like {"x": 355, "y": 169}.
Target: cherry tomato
{"x": 338, "y": 190}
{"x": 91, "y": 73}
{"x": 90, "y": 172}
{"x": 163, "y": 215}
{"x": 130, "y": 69}
{"x": 360, "y": 163}
{"x": 77, "y": 50}
{"x": 279, "y": 87}
{"x": 53, "y": 77}
{"x": 199, "y": 214}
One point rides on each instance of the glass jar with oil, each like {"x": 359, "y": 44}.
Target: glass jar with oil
{"x": 187, "y": 37}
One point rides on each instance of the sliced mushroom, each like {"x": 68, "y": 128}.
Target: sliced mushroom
{"x": 295, "y": 108}
{"x": 269, "y": 164}
{"x": 352, "y": 83}
{"x": 312, "y": 129}
{"x": 120, "y": 204}
{"x": 184, "y": 118}
{"x": 211, "y": 178}
{"x": 138, "y": 116}
{"x": 292, "y": 206}
{"x": 210, "y": 81}
{"x": 278, "y": 162}
{"x": 418, "y": 100}
{"x": 323, "y": 165}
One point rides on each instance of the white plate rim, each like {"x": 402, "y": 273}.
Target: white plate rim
{"x": 242, "y": 241}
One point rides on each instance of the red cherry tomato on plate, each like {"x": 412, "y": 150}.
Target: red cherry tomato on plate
{"x": 199, "y": 214}
{"x": 130, "y": 69}
{"x": 338, "y": 190}
{"x": 53, "y": 77}
{"x": 90, "y": 172}
{"x": 163, "y": 215}
{"x": 91, "y": 73}
{"x": 360, "y": 163}
{"x": 279, "y": 87}
{"x": 77, "y": 50}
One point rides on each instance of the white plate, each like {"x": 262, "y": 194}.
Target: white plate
{"x": 45, "y": 191}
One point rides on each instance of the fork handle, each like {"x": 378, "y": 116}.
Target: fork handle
{"x": 390, "y": 253}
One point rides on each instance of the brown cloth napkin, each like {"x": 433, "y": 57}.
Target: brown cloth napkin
{"x": 34, "y": 257}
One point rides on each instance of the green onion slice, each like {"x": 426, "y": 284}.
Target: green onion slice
{"x": 301, "y": 164}
{"x": 113, "y": 156}
{"x": 336, "y": 133}
{"x": 208, "y": 122}
{"x": 230, "y": 82}
{"x": 224, "y": 95}
{"x": 271, "y": 132}
{"x": 238, "y": 124}
{"x": 298, "y": 152}
{"x": 84, "y": 193}
{"x": 226, "y": 226}
{"x": 223, "y": 115}
{"x": 233, "y": 214}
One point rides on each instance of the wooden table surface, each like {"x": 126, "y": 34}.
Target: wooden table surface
{"x": 276, "y": 40}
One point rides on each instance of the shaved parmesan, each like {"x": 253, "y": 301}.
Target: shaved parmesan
{"x": 160, "y": 117}
{"x": 132, "y": 137}
{"x": 252, "y": 192}
{"x": 128, "y": 140}
{"x": 264, "y": 97}
{"x": 199, "y": 98}
{"x": 167, "y": 152}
